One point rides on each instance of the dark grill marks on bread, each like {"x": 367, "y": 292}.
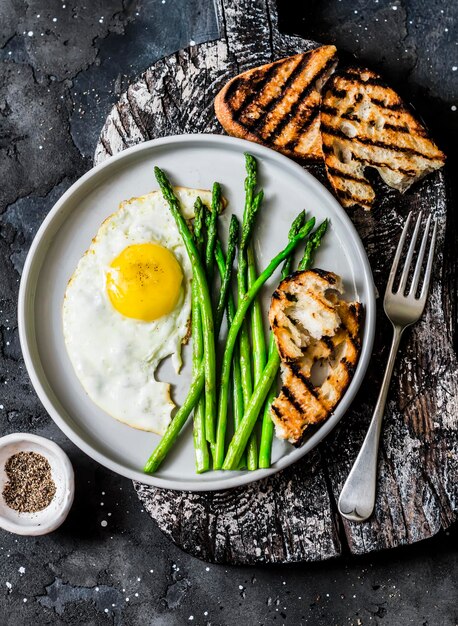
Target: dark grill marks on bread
{"x": 396, "y": 106}
{"x": 337, "y": 132}
{"x": 365, "y": 123}
{"x": 246, "y": 97}
{"x": 300, "y": 107}
{"x": 338, "y": 173}
{"x": 270, "y": 98}
{"x": 311, "y": 324}
{"x": 278, "y": 104}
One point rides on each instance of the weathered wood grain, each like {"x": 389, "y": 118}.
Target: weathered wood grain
{"x": 292, "y": 516}
{"x": 261, "y": 523}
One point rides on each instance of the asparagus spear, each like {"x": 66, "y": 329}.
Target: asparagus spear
{"x": 237, "y": 394}
{"x": 312, "y": 245}
{"x": 251, "y": 168}
{"x": 267, "y": 431}
{"x": 252, "y": 205}
{"x": 202, "y": 456}
{"x": 200, "y": 442}
{"x": 249, "y": 218}
{"x": 295, "y": 228}
{"x": 209, "y": 258}
{"x": 259, "y": 352}
{"x": 227, "y": 273}
{"x": 242, "y": 309}
{"x": 257, "y": 325}
{"x": 212, "y": 230}
{"x": 199, "y": 220}
{"x": 204, "y": 302}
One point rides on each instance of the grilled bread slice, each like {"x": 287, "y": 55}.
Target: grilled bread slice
{"x": 278, "y": 104}
{"x": 312, "y": 324}
{"x": 364, "y": 123}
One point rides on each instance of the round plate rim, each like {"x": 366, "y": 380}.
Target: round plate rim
{"x": 236, "y": 480}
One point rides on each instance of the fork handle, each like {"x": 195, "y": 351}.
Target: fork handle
{"x": 357, "y": 499}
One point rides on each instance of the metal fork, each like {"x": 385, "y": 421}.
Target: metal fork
{"x": 402, "y": 308}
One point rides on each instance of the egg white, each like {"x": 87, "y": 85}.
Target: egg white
{"x": 115, "y": 357}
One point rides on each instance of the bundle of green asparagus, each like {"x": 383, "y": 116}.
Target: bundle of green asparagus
{"x": 249, "y": 370}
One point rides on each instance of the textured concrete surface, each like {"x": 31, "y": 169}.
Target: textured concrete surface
{"x": 61, "y": 67}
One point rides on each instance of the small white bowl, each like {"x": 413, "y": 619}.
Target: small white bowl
{"x": 54, "y": 514}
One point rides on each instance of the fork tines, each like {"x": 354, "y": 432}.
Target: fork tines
{"x": 411, "y": 271}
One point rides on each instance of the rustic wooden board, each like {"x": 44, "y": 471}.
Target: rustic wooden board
{"x": 292, "y": 516}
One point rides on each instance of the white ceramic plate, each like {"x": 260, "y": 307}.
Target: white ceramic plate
{"x": 192, "y": 161}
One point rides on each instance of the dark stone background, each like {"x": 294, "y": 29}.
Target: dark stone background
{"x": 62, "y": 64}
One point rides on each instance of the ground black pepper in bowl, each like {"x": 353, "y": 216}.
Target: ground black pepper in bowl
{"x": 30, "y": 487}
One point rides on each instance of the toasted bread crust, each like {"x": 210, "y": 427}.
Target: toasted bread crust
{"x": 364, "y": 123}
{"x": 278, "y": 104}
{"x": 312, "y": 324}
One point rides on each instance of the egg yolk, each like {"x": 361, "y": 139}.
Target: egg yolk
{"x": 144, "y": 282}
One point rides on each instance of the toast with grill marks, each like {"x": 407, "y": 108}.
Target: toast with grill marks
{"x": 278, "y": 105}
{"x": 311, "y": 323}
{"x": 364, "y": 123}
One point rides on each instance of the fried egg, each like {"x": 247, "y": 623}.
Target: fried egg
{"x": 127, "y": 307}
